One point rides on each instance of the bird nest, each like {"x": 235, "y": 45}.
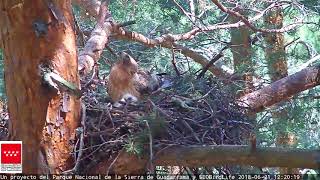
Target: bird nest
{"x": 189, "y": 112}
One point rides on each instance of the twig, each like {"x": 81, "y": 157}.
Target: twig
{"x": 192, "y": 131}
{"x": 311, "y": 50}
{"x": 288, "y": 44}
{"x": 83, "y": 119}
{"x": 204, "y": 96}
{"x": 184, "y": 11}
{"x": 312, "y": 60}
{"x": 160, "y": 111}
{"x": 212, "y": 61}
{"x": 110, "y": 118}
{"x": 113, "y": 162}
{"x": 91, "y": 78}
{"x": 252, "y": 27}
{"x": 173, "y": 61}
{"x": 104, "y": 132}
{"x": 111, "y": 51}
{"x": 150, "y": 148}
{"x": 128, "y": 23}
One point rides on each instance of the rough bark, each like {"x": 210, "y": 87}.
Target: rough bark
{"x": 40, "y": 33}
{"x": 275, "y": 52}
{"x": 281, "y": 90}
{"x": 212, "y": 156}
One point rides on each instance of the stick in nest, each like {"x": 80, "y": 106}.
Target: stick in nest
{"x": 150, "y": 148}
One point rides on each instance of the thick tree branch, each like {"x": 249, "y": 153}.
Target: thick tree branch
{"x": 281, "y": 90}
{"x": 237, "y": 155}
{"x": 213, "y": 156}
{"x": 97, "y": 41}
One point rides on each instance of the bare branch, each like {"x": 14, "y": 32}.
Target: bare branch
{"x": 167, "y": 42}
{"x": 192, "y": 10}
{"x": 192, "y": 33}
{"x": 312, "y": 60}
{"x": 212, "y": 61}
{"x": 192, "y": 19}
{"x": 249, "y": 23}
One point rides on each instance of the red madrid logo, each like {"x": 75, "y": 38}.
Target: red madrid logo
{"x": 10, "y": 153}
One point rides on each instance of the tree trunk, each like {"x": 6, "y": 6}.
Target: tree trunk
{"x": 242, "y": 59}
{"x": 278, "y": 69}
{"x": 33, "y": 34}
{"x": 242, "y": 54}
{"x": 275, "y": 52}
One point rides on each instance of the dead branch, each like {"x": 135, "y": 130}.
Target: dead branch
{"x": 212, "y": 61}
{"x": 150, "y": 147}
{"x": 190, "y": 16}
{"x": 203, "y": 61}
{"x": 173, "y": 62}
{"x": 100, "y": 35}
{"x": 249, "y": 24}
{"x": 192, "y": 33}
{"x": 192, "y": 10}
